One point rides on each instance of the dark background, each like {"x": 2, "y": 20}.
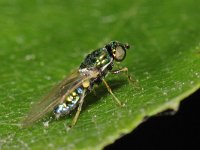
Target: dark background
{"x": 165, "y": 131}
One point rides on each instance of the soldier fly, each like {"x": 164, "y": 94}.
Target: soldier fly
{"x": 70, "y": 93}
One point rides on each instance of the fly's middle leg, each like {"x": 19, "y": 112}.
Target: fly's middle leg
{"x": 110, "y": 91}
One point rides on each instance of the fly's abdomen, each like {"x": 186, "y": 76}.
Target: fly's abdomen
{"x": 71, "y": 102}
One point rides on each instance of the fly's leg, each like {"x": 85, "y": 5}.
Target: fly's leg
{"x": 130, "y": 79}
{"x": 78, "y": 110}
{"x": 125, "y": 69}
{"x": 110, "y": 91}
{"x": 94, "y": 92}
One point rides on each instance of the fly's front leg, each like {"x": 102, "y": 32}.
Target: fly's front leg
{"x": 130, "y": 79}
{"x": 109, "y": 90}
{"x": 123, "y": 70}
{"x": 78, "y": 110}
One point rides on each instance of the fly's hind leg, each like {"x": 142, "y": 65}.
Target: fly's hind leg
{"x": 110, "y": 91}
{"x": 78, "y": 110}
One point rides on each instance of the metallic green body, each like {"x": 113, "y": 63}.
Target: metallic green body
{"x": 97, "y": 59}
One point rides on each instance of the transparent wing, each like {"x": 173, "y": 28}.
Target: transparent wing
{"x": 56, "y": 96}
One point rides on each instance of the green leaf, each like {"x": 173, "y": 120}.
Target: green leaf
{"x": 42, "y": 41}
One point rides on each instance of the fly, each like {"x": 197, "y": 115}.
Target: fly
{"x": 70, "y": 93}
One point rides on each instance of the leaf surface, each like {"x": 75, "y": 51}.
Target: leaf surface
{"x": 42, "y": 41}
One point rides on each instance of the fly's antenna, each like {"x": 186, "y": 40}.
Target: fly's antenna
{"x": 126, "y": 45}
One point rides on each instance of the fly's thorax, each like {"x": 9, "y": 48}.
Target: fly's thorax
{"x": 103, "y": 58}
{"x": 97, "y": 59}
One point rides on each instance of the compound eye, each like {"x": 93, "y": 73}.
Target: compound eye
{"x": 119, "y": 53}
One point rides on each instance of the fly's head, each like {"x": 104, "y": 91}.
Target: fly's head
{"x": 117, "y": 50}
